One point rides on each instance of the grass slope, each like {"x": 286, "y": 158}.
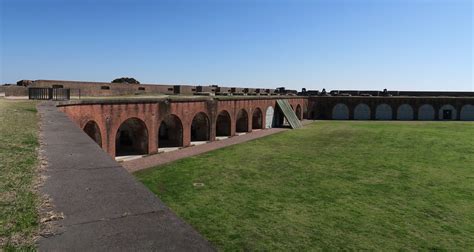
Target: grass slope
{"x": 18, "y": 160}
{"x": 332, "y": 185}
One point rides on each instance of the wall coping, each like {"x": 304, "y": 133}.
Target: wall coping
{"x": 395, "y": 97}
{"x": 171, "y": 99}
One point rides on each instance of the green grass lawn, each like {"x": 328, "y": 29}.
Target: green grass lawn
{"x": 18, "y": 161}
{"x": 332, "y": 185}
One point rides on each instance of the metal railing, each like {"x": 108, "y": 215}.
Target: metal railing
{"x": 55, "y": 94}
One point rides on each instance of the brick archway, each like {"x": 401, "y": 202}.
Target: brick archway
{"x": 467, "y": 112}
{"x": 223, "y": 124}
{"x": 383, "y": 112}
{"x": 131, "y": 138}
{"x": 298, "y": 112}
{"x": 200, "y": 127}
{"x": 405, "y": 112}
{"x": 242, "y": 121}
{"x": 426, "y": 112}
{"x": 362, "y": 112}
{"x": 340, "y": 111}
{"x": 170, "y": 132}
{"x": 92, "y": 129}
{"x": 257, "y": 119}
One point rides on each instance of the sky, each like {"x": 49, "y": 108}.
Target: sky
{"x": 338, "y": 44}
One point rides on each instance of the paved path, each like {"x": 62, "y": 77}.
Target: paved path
{"x": 104, "y": 207}
{"x": 163, "y": 158}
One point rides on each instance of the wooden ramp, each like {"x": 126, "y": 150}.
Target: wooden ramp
{"x": 289, "y": 114}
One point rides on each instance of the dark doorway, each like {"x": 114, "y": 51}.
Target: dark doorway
{"x": 279, "y": 119}
{"x": 242, "y": 123}
{"x": 447, "y": 114}
{"x": 257, "y": 119}
{"x": 131, "y": 138}
{"x": 200, "y": 128}
{"x": 298, "y": 112}
{"x": 171, "y": 132}
{"x": 93, "y": 131}
{"x": 223, "y": 124}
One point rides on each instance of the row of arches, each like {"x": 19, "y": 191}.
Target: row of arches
{"x": 132, "y": 137}
{"x": 404, "y": 112}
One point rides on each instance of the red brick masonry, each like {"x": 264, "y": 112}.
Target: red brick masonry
{"x": 109, "y": 115}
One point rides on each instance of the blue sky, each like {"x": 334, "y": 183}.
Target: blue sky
{"x": 351, "y": 44}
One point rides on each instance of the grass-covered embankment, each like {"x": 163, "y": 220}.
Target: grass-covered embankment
{"x": 332, "y": 185}
{"x": 18, "y": 162}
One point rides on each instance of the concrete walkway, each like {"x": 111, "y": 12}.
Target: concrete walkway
{"x": 104, "y": 207}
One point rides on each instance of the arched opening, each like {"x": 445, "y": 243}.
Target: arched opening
{"x": 362, "y": 112}
{"x": 405, "y": 112}
{"x": 242, "y": 122}
{"x": 298, "y": 112}
{"x": 318, "y": 111}
{"x": 200, "y": 127}
{"x": 383, "y": 112}
{"x": 426, "y": 112}
{"x": 279, "y": 119}
{"x": 447, "y": 112}
{"x": 340, "y": 112}
{"x": 170, "y": 133}
{"x": 93, "y": 131}
{"x": 131, "y": 138}
{"x": 223, "y": 124}
{"x": 257, "y": 119}
{"x": 269, "y": 117}
{"x": 467, "y": 112}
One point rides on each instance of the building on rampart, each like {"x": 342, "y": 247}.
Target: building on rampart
{"x": 82, "y": 88}
{"x": 138, "y": 127}
{"x": 427, "y": 108}
{"x": 142, "y": 126}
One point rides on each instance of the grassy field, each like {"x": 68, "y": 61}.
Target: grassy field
{"x": 18, "y": 160}
{"x": 332, "y": 185}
